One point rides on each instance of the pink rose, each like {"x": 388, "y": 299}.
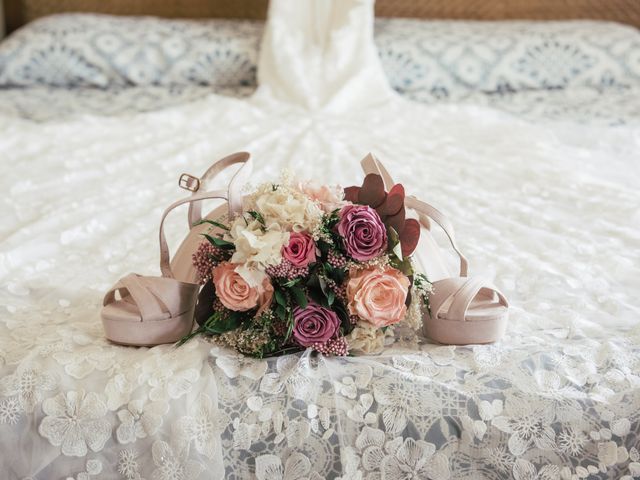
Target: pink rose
{"x": 364, "y": 234}
{"x": 314, "y": 324}
{"x": 301, "y": 249}
{"x": 378, "y": 295}
{"x": 236, "y": 294}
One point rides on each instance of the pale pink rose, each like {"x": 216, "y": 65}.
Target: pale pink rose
{"x": 236, "y": 294}
{"x": 301, "y": 249}
{"x": 378, "y": 295}
{"x": 329, "y": 197}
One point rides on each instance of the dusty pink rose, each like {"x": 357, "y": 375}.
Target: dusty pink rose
{"x": 236, "y": 294}
{"x": 364, "y": 234}
{"x": 314, "y": 324}
{"x": 301, "y": 249}
{"x": 378, "y": 295}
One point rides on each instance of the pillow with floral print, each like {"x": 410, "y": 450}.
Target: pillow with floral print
{"x": 89, "y": 50}
{"x": 452, "y": 59}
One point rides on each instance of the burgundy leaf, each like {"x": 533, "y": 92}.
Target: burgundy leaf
{"x": 372, "y": 192}
{"x": 396, "y": 221}
{"x": 351, "y": 194}
{"x": 395, "y": 199}
{"x": 410, "y": 236}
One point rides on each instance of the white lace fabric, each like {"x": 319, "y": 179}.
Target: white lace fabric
{"x": 550, "y": 212}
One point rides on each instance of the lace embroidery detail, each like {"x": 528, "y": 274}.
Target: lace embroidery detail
{"x": 75, "y": 421}
{"x": 171, "y": 466}
{"x": 140, "y": 420}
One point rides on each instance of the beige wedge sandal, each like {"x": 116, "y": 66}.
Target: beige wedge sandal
{"x": 463, "y": 310}
{"x": 145, "y": 311}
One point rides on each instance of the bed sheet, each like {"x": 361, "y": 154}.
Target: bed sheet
{"x": 50, "y": 104}
{"x": 590, "y": 106}
{"x": 549, "y": 211}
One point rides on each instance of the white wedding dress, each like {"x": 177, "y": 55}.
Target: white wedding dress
{"x": 550, "y": 211}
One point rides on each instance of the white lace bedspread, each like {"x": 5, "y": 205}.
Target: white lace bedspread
{"x": 550, "y": 212}
{"x": 591, "y": 106}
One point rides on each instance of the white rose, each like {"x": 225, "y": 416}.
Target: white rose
{"x": 365, "y": 339}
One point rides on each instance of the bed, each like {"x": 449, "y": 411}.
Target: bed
{"x": 538, "y": 170}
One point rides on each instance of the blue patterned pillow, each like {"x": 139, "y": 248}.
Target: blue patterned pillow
{"x": 430, "y": 60}
{"x": 102, "y": 51}
{"x": 425, "y": 60}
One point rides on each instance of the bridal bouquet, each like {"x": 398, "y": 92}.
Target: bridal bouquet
{"x": 310, "y": 266}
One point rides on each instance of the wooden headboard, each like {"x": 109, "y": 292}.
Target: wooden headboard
{"x": 19, "y": 12}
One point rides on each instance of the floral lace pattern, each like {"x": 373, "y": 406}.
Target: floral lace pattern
{"x": 542, "y": 411}
{"x": 75, "y": 421}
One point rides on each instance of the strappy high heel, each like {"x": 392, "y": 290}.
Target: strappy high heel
{"x": 463, "y": 309}
{"x": 144, "y": 311}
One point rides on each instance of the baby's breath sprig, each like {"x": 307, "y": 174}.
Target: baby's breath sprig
{"x": 325, "y": 229}
{"x": 381, "y": 262}
{"x": 423, "y": 287}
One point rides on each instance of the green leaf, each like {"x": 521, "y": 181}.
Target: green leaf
{"x": 323, "y": 285}
{"x": 257, "y": 216}
{"x": 403, "y": 265}
{"x": 319, "y": 291}
{"x": 345, "y": 321}
{"x": 284, "y": 351}
{"x": 189, "y": 336}
{"x": 212, "y": 222}
{"x": 313, "y": 281}
{"x": 219, "y": 242}
{"x": 393, "y": 237}
{"x": 281, "y": 312}
{"x": 218, "y": 324}
{"x": 339, "y": 275}
{"x": 290, "y": 328}
{"x": 280, "y": 298}
{"x": 324, "y": 247}
{"x": 330, "y": 297}
{"x": 317, "y": 296}
{"x": 397, "y": 251}
{"x": 336, "y": 274}
{"x": 394, "y": 242}
{"x": 299, "y": 296}
{"x": 314, "y": 290}
{"x": 291, "y": 283}
{"x": 328, "y": 269}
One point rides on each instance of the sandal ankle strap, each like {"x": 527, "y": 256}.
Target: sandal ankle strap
{"x": 371, "y": 164}
{"x": 234, "y": 191}
{"x": 165, "y": 260}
